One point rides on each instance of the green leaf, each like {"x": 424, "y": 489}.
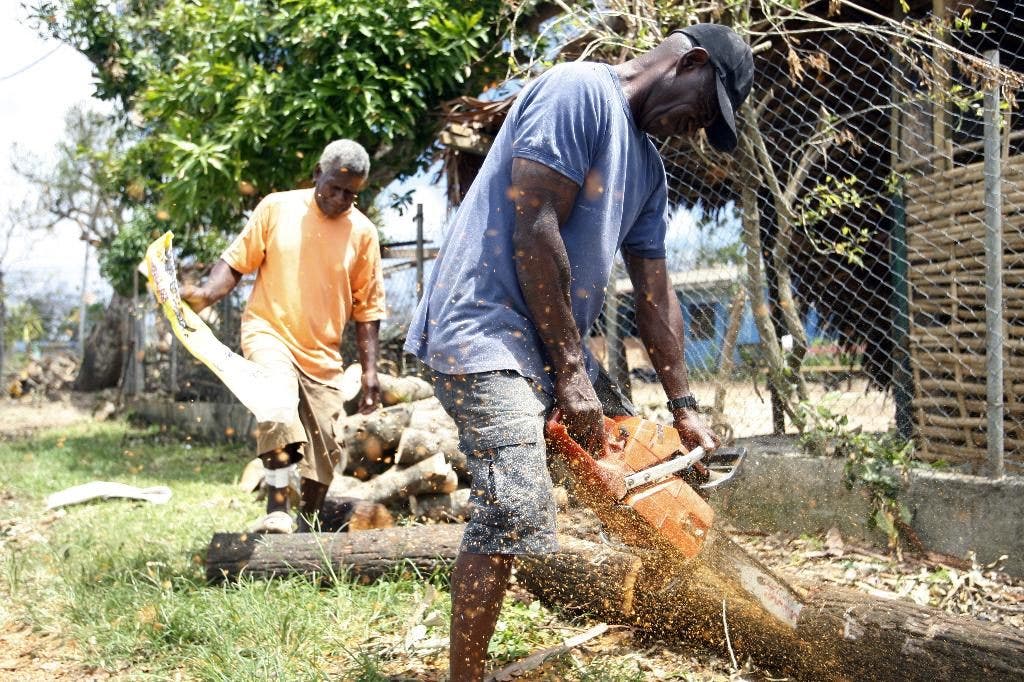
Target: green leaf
{"x": 884, "y": 522}
{"x": 231, "y": 91}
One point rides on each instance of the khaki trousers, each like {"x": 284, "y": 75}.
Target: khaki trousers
{"x": 313, "y": 424}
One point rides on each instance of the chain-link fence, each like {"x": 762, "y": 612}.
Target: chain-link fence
{"x": 862, "y": 252}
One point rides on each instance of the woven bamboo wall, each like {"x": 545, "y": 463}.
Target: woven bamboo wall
{"x": 946, "y": 248}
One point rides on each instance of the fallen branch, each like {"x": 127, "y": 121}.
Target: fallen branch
{"x": 538, "y": 659}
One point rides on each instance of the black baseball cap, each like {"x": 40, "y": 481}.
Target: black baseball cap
{"x": 734, "y": 65}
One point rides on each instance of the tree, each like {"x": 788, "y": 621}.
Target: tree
{"x": 7, "y": 231}
{"x": 82, "y": 187}
{"x": 229, "y": 101}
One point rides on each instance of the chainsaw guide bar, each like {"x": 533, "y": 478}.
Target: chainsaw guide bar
{"x": 647, "y": 488}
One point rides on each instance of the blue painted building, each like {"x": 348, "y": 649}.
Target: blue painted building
{"x": 706, "y": 295}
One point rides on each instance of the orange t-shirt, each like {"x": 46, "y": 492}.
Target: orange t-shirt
{"x": 315, "y": 273}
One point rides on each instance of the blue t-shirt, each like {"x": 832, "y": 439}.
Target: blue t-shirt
{"x": 575, "y": 120}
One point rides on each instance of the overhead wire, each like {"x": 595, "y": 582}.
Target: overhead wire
{"x": 30, "y": 65}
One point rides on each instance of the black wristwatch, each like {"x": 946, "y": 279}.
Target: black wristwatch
{"x": 684, "y": 401}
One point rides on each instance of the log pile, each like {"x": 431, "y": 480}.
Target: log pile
{"x": 48, "y": 376}
{"x": 404, "y": 456}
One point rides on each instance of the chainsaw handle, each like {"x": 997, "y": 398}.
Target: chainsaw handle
{"x": 555, "y": 427}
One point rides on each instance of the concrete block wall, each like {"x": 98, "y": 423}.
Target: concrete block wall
{"x": 781, "y": 489}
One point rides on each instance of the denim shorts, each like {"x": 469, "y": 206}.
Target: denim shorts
{"x": 500, "y": 416}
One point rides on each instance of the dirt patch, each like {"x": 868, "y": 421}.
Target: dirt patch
{"x": 748, "y": 405}
{"x": 24, "y": 417}
{"x": 958, "y": 586}
{"x": 31, "y": 656}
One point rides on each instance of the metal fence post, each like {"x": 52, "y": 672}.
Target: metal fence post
{"x": 903, "y": 378}
{"x": 228, "y": 335}
{"x": 419, "y": 251}
{"x": 135, "y": 360}
{"x": 994, "y": 276}
{"x": 172, "y": 367}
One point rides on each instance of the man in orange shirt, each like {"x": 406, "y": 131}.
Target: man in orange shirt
{"x": 318, "y": 262}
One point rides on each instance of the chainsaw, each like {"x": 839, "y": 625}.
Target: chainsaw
{"x": 645, "y": 484}
{"x": 649, "y": 490}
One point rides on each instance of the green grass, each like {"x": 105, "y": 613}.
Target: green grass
{"x": 125, "y": 580}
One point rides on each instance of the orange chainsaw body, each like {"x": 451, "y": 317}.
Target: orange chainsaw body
{"x": 666, "y": 514}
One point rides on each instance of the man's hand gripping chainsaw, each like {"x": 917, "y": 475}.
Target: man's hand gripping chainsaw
{"x": 646, "y": 486}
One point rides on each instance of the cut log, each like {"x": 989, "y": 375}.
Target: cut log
{"x": 340, "y": 485}
{"x": 432, "y": 475}
{"x": 431, "y": 430}
{"x": 609, "y": 576}
{"x": 367, "y": 555}
{"x": 372, "y": 437}
{"x": 900, "y": 640}
{"x": 393, "y": 390}
{"x": 839, "y": 634}
{"x": 418, "y": 444}
{"x": 428, "y": 414}
{"x": 584, "y": 578}
{"x": 352, "y": 514}
{"x": 452, "y": 506}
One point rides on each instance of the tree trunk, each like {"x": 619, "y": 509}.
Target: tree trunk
{"x": 839, "y": 634}
{"x": 780, "y": 254}
{"x": 756, "y": 286}
{"x": 106, "y": 348}
{"x": 3, "y": 329}
{"x": 725, "y": 363}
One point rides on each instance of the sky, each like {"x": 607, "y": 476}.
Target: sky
{"x": 33, "y": 101}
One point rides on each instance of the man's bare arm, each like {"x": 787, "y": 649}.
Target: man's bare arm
{"x": 368, "y": 346}
{"x": 544, "y": 199}
{"x": 222, "y": 280}
{"x": 659, "y": 321}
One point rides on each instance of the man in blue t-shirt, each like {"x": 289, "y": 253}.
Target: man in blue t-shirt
{"x": 571, "y": 178}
